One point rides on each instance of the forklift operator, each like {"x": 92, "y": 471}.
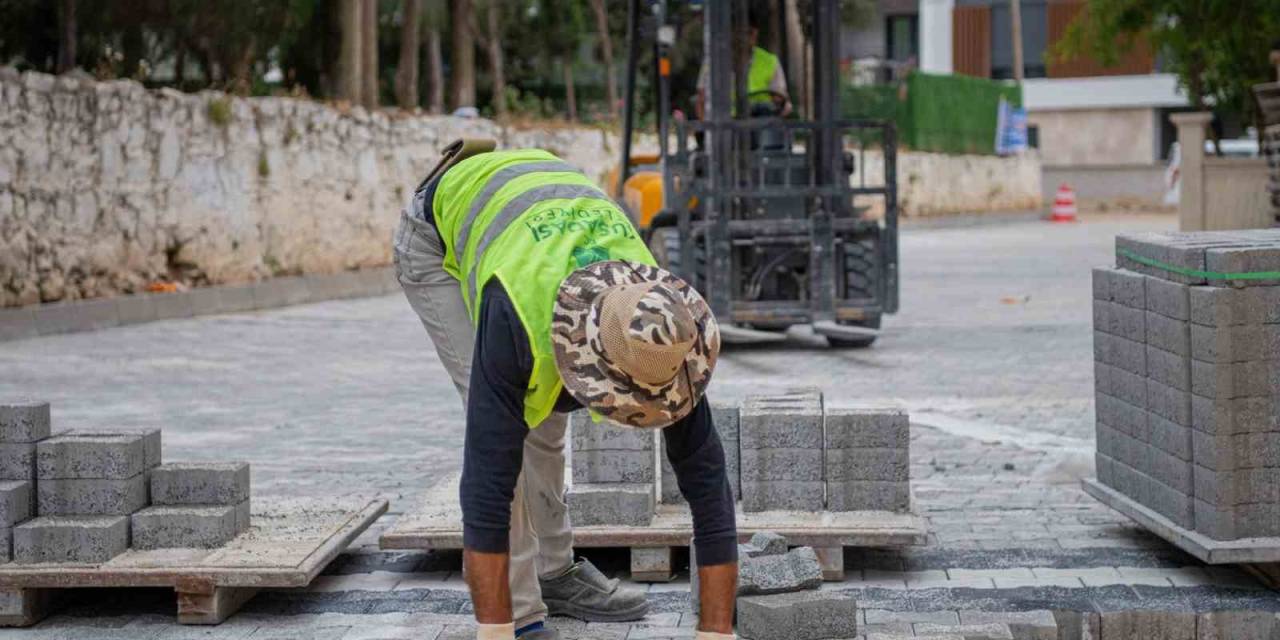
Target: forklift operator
{"x": 766, "y": 82}
{"x": 541, "y": 298}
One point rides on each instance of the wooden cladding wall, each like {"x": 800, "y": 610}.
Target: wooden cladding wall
{"x": 971, "y": 40}
{"x": 1139, "y": 60}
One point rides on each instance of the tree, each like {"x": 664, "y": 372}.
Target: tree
{"x": 606, "y": 55}
{"x": 434, "y": 18}
{"x": 561, "y": 25}
{"x": 66, "y": 35}
{"x": 462, "y": 80}
{"x": 407, "y": 67}
{"x": 491, "y": 39}
{"x": 350, "y": 13}
{"x": 369, "y": 54}
{"x": 1217, "y": 48}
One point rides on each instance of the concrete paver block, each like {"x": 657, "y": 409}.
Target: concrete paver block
{"x": 1234, "y": 416}
{"x": 872, "y": 427}
{"x": 6, "y": 547}
{"x": 1243, "y": 260}
{"x": 613, "y": 466}
{"x": 985, "y": 631}
{"x": 612, "y": 504}
{"x": 793, "y": 570}
{"x": 768, "y": 543}
{"x": 587, "y": 435}
{"x": 1169, "y": 368}
{"x": 813, "y": 615}
{"x": 859, "y": 495}
{"x": 24, "y": 420}
{"x": 17, "y": 461}
{"x": 1168, "y": 299}
{"x": 1025, "y": 625}
{"x": 1169, "y": 436}
{"x": 1232, "y": 625}
{"x": 1159, "y": 246}
{"x": 83, "y": 454}
{"x": 725, "y": 418}
{"x": 1149, "y": 625}
{"x": 888, "y": 465}
{"x": 15, "y": 502}
{"x": 1234, "y": 380}
{"x": 777, "y": 464}
{"x": 782, "y": 496}
{"x": 77, "y": 539}
{"x": 1121, "y": 415}
{"x": 1239, "y": 343}
{"x": 1240, "y": 451}
{"x": 200, "y": 483}
{"x": 1130, "y": 355}
{"x": 90, "y": 496}
{"x": 165, "y": 527}
{"x": 1169, "y": 402}
{"x": 1219, "y": 307}
{"x": 1130, "y": 387}
{"x": 1168, "y": 334}
{"x": 1121, "y": 286}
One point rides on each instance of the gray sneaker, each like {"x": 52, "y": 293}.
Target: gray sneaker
{"x": 584, "y": 593}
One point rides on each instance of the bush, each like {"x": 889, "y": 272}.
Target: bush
{"x": 946, "y": 114}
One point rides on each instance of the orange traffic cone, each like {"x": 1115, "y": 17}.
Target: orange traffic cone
{"x": 1064, "y": 205}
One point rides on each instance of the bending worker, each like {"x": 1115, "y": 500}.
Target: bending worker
{"x": 540, "y": 298}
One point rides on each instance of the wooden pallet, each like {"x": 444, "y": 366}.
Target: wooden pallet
{"x": 290, "y": 541}
{"x": 437, "y": 524}
{"x": 1259, "y": 556}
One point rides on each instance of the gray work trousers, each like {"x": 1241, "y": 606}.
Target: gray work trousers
{"x": 541, "y": 537}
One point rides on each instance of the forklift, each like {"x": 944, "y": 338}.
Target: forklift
{"x": 766, "y": 216}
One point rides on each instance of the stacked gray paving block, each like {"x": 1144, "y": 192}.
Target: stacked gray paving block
{"x": 70, "y": 539}
{"x": 86, "y": 473}
{"x": 614, "y": 477}
{"x": 725, "y": 418}
{"x": 780, "y": 449}
{"x": 867, "y": 464}
{"x": 201, "y": 505}
{"x": 1199, "y": 440}
{"x": 810, "y": 615}
{"x": 23, "y": 423}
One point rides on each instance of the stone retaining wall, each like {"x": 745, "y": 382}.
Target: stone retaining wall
{"x": 107, "y": 186}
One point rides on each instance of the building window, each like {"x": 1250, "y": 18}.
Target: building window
{"x": 1035, "y": 36}
{"x": 902, "y": 37}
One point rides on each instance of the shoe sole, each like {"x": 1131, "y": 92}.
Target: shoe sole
{"x": 565, "y": 608}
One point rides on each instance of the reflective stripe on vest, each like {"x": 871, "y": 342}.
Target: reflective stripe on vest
{"x": 517, "y": 206}
{"x": 496, "y": 182}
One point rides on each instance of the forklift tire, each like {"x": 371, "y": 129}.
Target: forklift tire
{"x": 872, "y": 322}
{"x": 664, "y": 244}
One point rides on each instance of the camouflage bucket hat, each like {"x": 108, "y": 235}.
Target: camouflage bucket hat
{"x": 633, "y": 342}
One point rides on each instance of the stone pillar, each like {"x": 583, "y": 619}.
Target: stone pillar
{"x": 1191, "y": 201}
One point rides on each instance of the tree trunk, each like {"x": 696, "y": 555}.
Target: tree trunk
{"x": 66, "y": 35}
{"x": 369, "y": 54}
{"x": 407, "y": 69}
{"x": 240, "y": 73}
{"x": 606, "y": 52}
{"x": 493, "y": 45}
{"x": 435, "y": 72}
{"x": 462, "y": 81}
{"x": 796, "y": 48}
{"x": 180, "y": 66}
{"x": 349, "y": 18}
{"x": 571, "y": 99}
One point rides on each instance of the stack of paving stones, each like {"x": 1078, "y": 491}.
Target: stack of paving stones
{"x": 201, "y": 505}
{"x": 766, "y": 567}
{"x": 780, "y": 451}
{"x": 867, "y": 463}
{"x": 726, "y": 421}
{"x": 71, "y": 497}
{"x": 1187, "y": 374}
{"x": 613, "y": 473}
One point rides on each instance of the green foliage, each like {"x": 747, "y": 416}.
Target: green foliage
{"x": 1217, "y": 48}
{"x": 264, "y": 165}
{"x": 946, "y": 114}
{"x": 219, "y": 111}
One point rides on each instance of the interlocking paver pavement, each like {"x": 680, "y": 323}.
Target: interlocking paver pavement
{"x": 992, "y": 354}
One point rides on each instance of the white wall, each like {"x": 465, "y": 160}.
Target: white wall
{"x": 935, "y": 35}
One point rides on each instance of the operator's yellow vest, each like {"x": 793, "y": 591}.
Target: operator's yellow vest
{"x": 528, "y": 219}
{"x": 760, "y": 74}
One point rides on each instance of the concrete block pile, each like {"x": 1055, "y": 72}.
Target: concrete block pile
{"x": 783, "y": 452}
{"x": 778, "y": 593}
{"x": 1187, "y": 377}
{"x": 83, "y": 496}
{"x": 613, "y": 473}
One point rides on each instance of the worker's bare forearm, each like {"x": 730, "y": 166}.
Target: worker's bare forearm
{"x": 718, "y": 587}
{"x": 486, "y": 575}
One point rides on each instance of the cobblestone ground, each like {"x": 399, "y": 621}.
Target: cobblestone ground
{"x": 991, "y": 353}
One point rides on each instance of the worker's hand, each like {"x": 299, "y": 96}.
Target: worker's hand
{"x": 718, "y": 589}
{"x": 486, "y": 575}
{"x": 496, "y": 631}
